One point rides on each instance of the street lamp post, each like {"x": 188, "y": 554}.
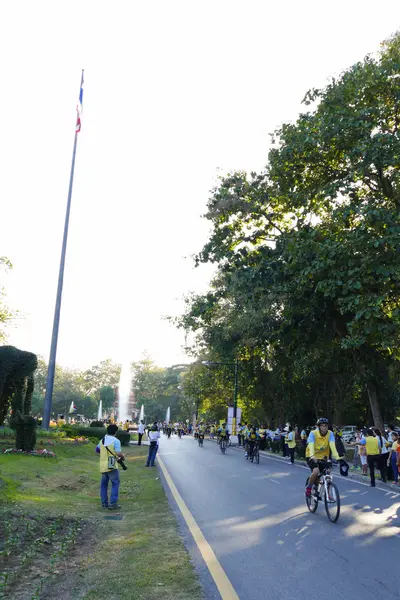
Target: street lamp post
{"x": 235, "y": 393}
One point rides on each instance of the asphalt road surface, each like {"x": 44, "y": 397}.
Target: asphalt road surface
{"x": 256, "y": 521}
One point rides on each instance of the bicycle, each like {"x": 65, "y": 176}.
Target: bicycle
{"x": 256, "y": 454}
{"x": 223, "y": 444}
{"x": 326, "y": 490}
{"x": 200, "y": 440}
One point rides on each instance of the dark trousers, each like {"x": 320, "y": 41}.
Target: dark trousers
{"x": 382, "y": 465}
{"x": 291, "y": 454}
{"x": 239, "y": 439}
{"x": 140, "y": 439}
{"x": 284, "y": 447}
{"x": 152, "y": 455}
{"x": 374, "y": 460}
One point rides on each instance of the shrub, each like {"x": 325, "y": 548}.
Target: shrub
{"x": 94, "y": 432}
{"x": 99, "y": 432}
{"x": 52, "y": 434}
{"x": 124, "y": 437}
{"x": 97, "y": 424}
{"x": 7, "y": 432}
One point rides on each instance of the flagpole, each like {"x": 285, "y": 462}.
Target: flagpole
{"x": 54, "y": 338}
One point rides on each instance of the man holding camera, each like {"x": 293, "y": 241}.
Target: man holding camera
{"x": 110, "y": 456}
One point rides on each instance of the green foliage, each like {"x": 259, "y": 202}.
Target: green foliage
{"x": 98, "y": 433}
{"x": 159, "y": 388}
{"x": 307, "y": 290}
{"x": 6, "y": 315}
{"x": 84, "y": 388}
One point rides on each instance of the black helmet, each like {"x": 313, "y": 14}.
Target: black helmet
{"x": 323, "y": 421}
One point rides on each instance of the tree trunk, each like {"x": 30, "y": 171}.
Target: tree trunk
{"x": 338, "y": 411}
{"x": 374, "y": 404}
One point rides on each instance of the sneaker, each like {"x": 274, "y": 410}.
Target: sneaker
{"x": 114, "y": 507}
{"x": 104, "y": 506}
{"x": 308, "y": 492}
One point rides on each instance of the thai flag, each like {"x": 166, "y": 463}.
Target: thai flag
{"x": 79, "y": 107}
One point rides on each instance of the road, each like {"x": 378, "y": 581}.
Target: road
{"x": 255, "y": 519}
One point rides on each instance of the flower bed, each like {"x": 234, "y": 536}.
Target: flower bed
{"x": 43, "y": 452}
{"x": 64, "y": 441}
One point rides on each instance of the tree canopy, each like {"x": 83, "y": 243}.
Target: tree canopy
{"x": 307, "y": 288}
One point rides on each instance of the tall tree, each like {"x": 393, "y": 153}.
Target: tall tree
{"x": 307, "y": 252}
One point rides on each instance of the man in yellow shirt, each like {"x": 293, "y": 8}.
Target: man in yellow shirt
{"x": 321, "y": 442}
{"x": 373, "y": 447}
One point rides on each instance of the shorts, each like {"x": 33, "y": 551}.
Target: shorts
{"x": 363, "y": 459}
{"x": 321, "y": 464}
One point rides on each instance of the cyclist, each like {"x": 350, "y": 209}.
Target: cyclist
{"x": 320, "y": 442}
{"x": 223, "y": 433}
{"x": 251, "y": 441}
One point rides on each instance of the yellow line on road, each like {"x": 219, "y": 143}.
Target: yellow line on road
{"x": 222, "y": 582}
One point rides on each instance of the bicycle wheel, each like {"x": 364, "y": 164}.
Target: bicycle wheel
{"x": 252, "y": 456}
{"x": 332, "y": 502}
{"x": 257, "y": 457}
{"x": 312, "y": 503}
{"x": 223, "y": 447}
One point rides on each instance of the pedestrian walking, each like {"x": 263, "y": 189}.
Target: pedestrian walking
{"x": 373, "y": 450}
{"x": 383, "y": 457}
{"x": 109, "y": 449}
{"x": 140, "y": 432}
{"x": 291, "y": 443}
{"x": 154, "y": 438}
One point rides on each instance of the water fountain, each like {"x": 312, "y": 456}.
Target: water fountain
{"x": 168, "y": 416}
{"x": 141, "y": 415}
{"x": 124, "y": 391}
{"x": 100, "y": 411}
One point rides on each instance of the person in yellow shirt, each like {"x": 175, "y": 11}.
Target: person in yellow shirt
{"x": 321, "y": 443}
{"x": 373, "y": 447}
{"x": 291, "y": 442}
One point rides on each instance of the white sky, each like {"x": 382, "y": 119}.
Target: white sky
{"x": 174, "y": 90}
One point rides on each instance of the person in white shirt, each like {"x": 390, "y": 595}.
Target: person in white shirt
{"x": 154, "y": 439}
{"x": 140, "y": 432}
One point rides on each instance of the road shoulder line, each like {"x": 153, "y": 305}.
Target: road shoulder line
{"x": 218, "y": 574}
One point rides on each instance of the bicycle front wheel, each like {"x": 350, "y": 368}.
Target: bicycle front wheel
{"x": 311, "y": 501}
{"x": 332, "y": 502}
{"x": 257, "y": 457}
{"x": 223, "y": 446}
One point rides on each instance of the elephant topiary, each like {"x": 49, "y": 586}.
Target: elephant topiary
{"x": 16, "y": 387}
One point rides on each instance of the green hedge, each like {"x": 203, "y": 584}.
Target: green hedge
{"x": 99, "y": 432}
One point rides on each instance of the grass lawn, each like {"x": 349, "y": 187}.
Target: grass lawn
{"x": 57, "y": 542}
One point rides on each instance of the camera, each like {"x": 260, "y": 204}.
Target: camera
{"x": 120, "y": 461}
